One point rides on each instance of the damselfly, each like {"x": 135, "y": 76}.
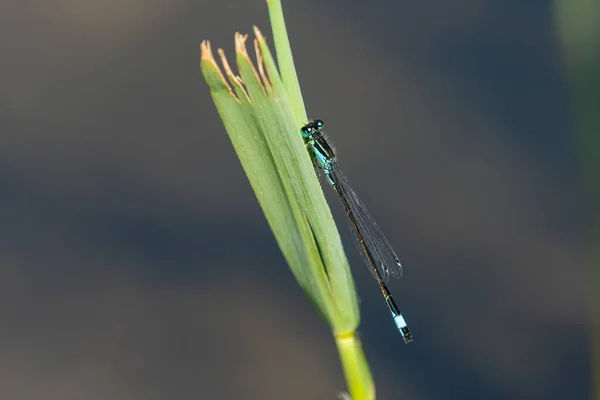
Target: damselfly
{"x": 372, "y": 244}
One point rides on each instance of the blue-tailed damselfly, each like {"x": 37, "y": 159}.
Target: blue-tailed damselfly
{"x": 372, "y": 243}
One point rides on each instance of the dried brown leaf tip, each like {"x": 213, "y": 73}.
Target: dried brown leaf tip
{"x": 261, "y": 67}
{"x": 239, "y": 88}
{"x": 240, "y": 48}
{"x": 234, "y": 79}
{"x": 207, "y": 59}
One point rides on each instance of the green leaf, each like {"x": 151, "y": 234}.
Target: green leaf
{"x": 286, "y": 61}
{"x": 262, "y": 114}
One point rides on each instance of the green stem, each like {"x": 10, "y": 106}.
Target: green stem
{"x": 356, "y": 369}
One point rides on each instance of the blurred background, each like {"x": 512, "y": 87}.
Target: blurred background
{"x": 135, "y": 262}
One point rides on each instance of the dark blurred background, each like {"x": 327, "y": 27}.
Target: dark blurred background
{"x": 135, "y": 262}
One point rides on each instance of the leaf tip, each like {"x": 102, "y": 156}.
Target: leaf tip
{"x": 206, "y": 53}
{"x": 261, "y": 67}
{"x": 240, "y": 48}
{"x": 240, "y": 44}
{"x": 236, "y": 80}
{"x": 207, "y": 61}
{"x": 258, "y": 34}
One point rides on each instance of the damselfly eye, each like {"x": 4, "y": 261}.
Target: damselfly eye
{"x": 306, "y": 130}
{"x": 319, "y": 124}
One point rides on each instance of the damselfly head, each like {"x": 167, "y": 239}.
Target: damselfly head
{"x": 312, "y": 128}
